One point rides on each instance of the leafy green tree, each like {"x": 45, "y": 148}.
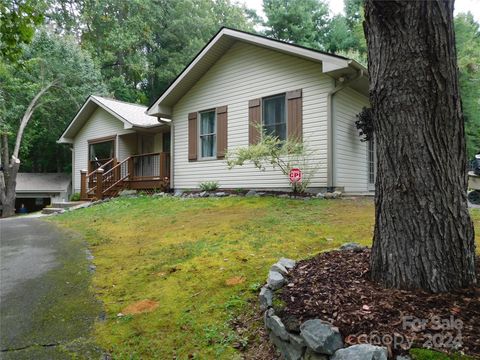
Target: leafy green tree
{"x": 467, "y": 33}
{"x": 141, "y": 46}
{"x": 44, "y": 94}
{"x": 18, "y": 19}
{"x": 303, "y": 22}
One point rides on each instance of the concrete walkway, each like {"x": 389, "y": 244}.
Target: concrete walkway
{"x": 46, "y": 308}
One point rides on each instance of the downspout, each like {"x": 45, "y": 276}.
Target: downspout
{"x": 330, "y": 127}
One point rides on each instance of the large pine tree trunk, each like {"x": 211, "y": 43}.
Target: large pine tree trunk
{"x": 423, "y": 234}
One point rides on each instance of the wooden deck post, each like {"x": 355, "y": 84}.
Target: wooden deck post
{"x": 83, "y": 185}
{"x": 99, "y": 190}
{"x": 131, "y": 169}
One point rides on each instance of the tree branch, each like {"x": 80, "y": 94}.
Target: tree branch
{"x": 28, "y": 115}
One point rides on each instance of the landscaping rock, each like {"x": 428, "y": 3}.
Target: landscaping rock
{"x": 276, "y": 326}
{"x": 288, "y": 263}
{"x": 320, "y": 195}
{"x": 330, "y": 195}
{"x": 204, "y": 194}
{"x": 160, "y": 194}
{"x": 352, "y": 246}
{"x": 403, "y": 357}
{"x": 178, "y": 193}
{"x": 221, "y": 194}
{"x": 268, "y": 313}
{"x": 275, "y": 280}
{"x": 266, "y": 298}
{"x": 312, "y": 355}
{"x": 251, "y": 193}
{"x": 127, "y": 193}
{"x": 361, "y": 352}
{"x": 279, "y": 268}
{"x": 289, "y": 351}
{"x": 337, "y": 194}
{"x": 321, "y": 337}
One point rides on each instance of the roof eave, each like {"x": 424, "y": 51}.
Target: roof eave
{"x": 329, "y": 62}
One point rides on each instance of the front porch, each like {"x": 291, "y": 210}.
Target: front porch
{"x": 137, "y": 172}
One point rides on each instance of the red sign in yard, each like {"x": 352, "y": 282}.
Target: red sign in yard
{"x": 295, "y": 175}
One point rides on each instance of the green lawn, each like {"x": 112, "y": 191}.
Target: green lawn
{"x": 182, "y": 252}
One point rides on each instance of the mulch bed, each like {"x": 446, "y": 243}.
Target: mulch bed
{"x": 335, "y": 287}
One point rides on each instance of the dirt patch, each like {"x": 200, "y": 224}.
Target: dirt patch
{"x": 140, "y": 307}
{"x": 235, "y": 281}
{"x": 335, "y": 287}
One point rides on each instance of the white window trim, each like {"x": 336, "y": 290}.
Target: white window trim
{"x": 199, "y": 126}
{"x": 285, "y": 110}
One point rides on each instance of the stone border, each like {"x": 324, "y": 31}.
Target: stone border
{"x": 314, "y": 339}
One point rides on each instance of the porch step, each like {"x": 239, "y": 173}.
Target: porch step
{"x": 52, "y": 210}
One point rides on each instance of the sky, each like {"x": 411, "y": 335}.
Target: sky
{"x": 336, "y": 6}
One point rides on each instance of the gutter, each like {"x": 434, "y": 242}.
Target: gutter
{"x": 344, "y": 82}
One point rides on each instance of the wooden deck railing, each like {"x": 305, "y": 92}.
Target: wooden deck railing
{"x": 145, "y": 171}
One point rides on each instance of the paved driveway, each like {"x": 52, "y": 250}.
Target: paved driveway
{"x": 46, "y": 308}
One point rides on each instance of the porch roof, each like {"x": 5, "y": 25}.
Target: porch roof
{"x": 133, "y": 116}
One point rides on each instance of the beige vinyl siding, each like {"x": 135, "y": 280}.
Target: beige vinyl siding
{"x": 244, "y": 73}
{"x": 99, "y": 125}
{"x": 127, "y": 145}
{"x": 350, "y": 154}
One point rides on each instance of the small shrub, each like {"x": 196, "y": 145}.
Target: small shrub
{"x": 282, "y": 154}
{"x": 365, "y": 124}
{"x": 75, "y": 197}
{"x": 208, "y": 185}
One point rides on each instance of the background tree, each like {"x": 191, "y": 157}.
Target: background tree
{"x": 303, "y": 22}
{"x": 44, "y": 93}
{"x": 423, "y": 235}
{"x": 141, "y": 46}
{"x": 467, "y": 33}
{"x": 18, "y": 20}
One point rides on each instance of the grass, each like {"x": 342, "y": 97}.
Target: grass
{"x": 182, "y": 252}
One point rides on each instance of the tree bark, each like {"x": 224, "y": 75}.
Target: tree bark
{"x": 423, "y": 237}
{"x": 8, "y": 175}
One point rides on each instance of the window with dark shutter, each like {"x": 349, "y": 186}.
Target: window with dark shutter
{"x": 294, "y": 115}
{"x": 222, "y": 132}
{"x": 192, "y": 136}
{"x": 254, "y": 121}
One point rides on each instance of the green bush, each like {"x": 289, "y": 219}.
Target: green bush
{"x": 75, "y": 197}
{"x": 208, "y": 185}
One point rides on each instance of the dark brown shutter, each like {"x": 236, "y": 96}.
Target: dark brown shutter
{"x": 222, "y": 129}
{"x": 192, "y": 136}
{"x": 254, "y": 121}
{"x": 294, "y": 114}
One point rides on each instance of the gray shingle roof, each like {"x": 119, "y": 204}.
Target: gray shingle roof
{"x": 133, "y": 113}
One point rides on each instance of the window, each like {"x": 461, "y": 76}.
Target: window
{"x": 102, "y": 150}
{"x": 371, "y": 162}
{"x": 208, "y": 136}
{"x": 274, "y": 119}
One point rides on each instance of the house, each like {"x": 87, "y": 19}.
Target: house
{"x": 239, "y": 80}
{"x": 236, "y": 82}
{"x": 37, "y": 190}
{"x": 118, "y": 144}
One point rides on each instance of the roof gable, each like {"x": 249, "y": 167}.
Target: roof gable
{"x": 218, "y": 46}
{"x": 131, "y": 115}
